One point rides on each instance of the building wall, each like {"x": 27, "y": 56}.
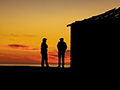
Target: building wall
{"x": 91, "y": 44}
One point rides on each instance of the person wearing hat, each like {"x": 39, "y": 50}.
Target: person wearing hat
{"x": 61, "y": 51}
{"x": 44, "y": 47}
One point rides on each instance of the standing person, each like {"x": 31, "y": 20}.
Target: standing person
{"x": 44, "y": 47}
{"x": 61, "y": 51}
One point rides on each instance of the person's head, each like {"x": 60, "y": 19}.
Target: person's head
{"x": 44, "y": 39}
{"x": 61, "y": 39}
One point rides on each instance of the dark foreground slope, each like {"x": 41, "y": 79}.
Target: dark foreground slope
{"x": 26, "y": 77}
{"x": 38, "y": 77}
{"x": 30, "y": 69}
{"x": 26, "y": 74}
{"x": 34, "y": 71}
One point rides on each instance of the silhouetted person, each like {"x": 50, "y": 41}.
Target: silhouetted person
{"x": 61, "y": 51}
{"x": 44, "y": 47}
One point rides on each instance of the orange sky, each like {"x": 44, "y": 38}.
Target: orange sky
{"x": 26, "y": 22}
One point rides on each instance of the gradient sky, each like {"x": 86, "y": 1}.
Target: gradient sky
{"x": 23, "y": 24}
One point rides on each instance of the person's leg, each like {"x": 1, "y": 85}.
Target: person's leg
{"x": 42, "y": 61}
{"x": 59, "y": 58}
{"x": 46, "y": 59}
{"x": 63, "y": 54}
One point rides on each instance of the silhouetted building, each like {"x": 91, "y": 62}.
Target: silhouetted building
{"x": 93, "y": 40}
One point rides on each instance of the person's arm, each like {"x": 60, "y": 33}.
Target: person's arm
{"x": 47, "y": 45}
{"x": 58, "y": 46}
{"x": 65, "y": 46}
{"x": 41, "y": 48}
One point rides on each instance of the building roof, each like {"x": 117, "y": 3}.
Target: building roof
{"x": 110, "y": 15}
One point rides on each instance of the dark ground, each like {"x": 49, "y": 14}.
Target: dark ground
{"x": 53, "y": 77}
{"x": 34, "y": 71}
{"x": 35, "y": 77}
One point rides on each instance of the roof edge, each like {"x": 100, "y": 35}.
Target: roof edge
{"x": 98, "y": 16}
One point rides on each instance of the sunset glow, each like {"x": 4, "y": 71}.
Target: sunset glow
{"x": 24, "y": 23}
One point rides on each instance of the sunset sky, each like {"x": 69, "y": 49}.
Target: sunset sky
{"x": 24, "y": 23}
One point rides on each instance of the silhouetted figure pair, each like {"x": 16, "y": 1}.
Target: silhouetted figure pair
{"x": 61, "y": 52}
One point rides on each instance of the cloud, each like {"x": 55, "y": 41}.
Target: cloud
{"x": 22, "y": 47}
{"x": 13, "y": 57}
{"x": 31, "y": 57}
{"x": 16, "y": 46}
{"x": 1, "y": 38}
{"x": 53, "y": 57}
{"x": 18, "y": 59}
{"x": 1, "y": 54}
{"x": 35, "y": 49}
{"x": 12, "y": 40}
{"x": 15, "y": 35}
{"x": 67, "y": 53}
